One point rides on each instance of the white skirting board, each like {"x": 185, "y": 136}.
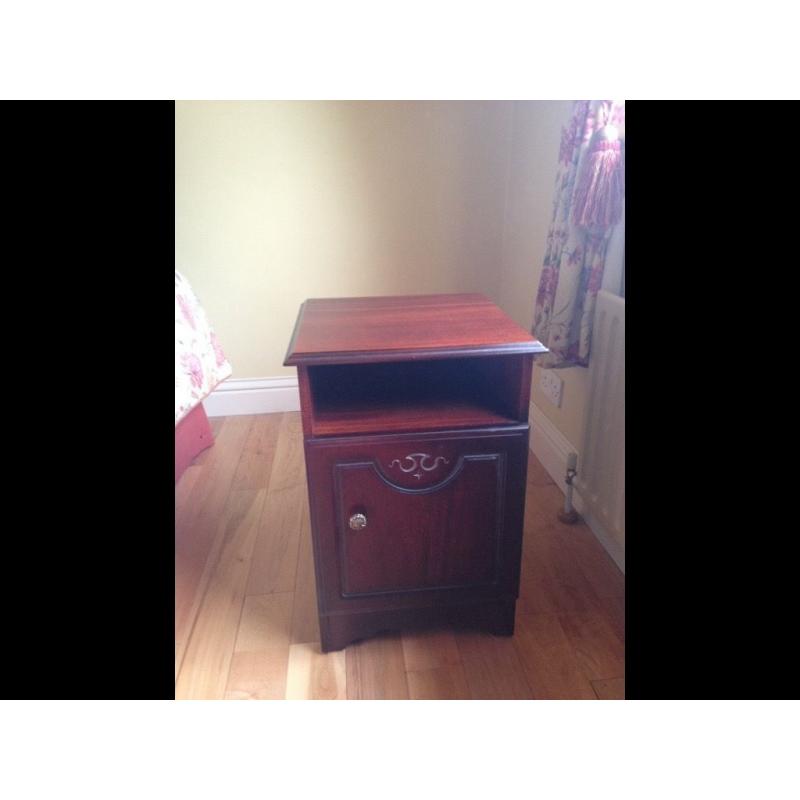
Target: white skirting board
{"x": 551, "y": 447}
{"x": 253, "y": 396}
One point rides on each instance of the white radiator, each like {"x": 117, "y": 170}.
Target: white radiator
{"x": 601, "y": 468}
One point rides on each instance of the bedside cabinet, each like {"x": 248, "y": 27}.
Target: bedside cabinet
{"x": 415, "y": 419}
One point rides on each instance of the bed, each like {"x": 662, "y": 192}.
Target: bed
{"x": 200, "y": 366}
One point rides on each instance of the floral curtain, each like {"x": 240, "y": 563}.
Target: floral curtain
{"x": 587, "y": 205}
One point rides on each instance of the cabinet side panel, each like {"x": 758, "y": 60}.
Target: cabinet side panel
{"x": 524, "y": 396}
{"x": 509, "y": 383}
{"x": 514, "y": 511}
{"x": 306, "y": 406}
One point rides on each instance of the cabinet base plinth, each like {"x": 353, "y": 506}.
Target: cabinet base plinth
{"x": 339, "y": 630}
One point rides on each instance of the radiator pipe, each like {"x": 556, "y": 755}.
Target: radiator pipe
{"x": 569, "y": 516}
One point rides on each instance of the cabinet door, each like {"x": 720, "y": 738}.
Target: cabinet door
{"x": 419, "y": 515}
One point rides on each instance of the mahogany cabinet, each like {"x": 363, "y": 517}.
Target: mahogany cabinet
{"x": 415, "y": 419}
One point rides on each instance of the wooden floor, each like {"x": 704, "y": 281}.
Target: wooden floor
{"x": 245, "y": 603}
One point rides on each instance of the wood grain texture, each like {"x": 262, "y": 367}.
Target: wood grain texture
{"x": 200, "y": 494}
{"x": 448, "y": 537}
{"x": 613, "y": 608}
{"x": 465, "y": 550}
{"x": 551, "y": 667}
{"x": 538, "y": 476}
{"x": 313, "y": 675}
{"x": 216, "y": 424}
{"x": 266, "y": 645}
{"x": 258, "y": 453}
{"x": 428, "y": 416}
{"x": 304, "y": 389}
{"x": 204, "y": 670}
{"x": 575, "y": 558}
{"x": 492, "y": 667}
{"x": 305, "y": 620}
{"x": 430, "y": 649}
{"x": 261, "y": 655}
{"x": 557, "y": 560}
{"x": 420, "y": 365}
{"x": 542, "y": 592}
{"x": 611, "y": 689}
{"x": 542, "y": 504}
{"x": 598, "y": 649}
{"x": 376, "y": 670}
{"x": 185, "y": 486}
{"x": 198, "y": 529}
{"x": 441, "y": 683}
{"x": 600, "y": 571}
{"x": 368, "y": 329}
{"x": 274, "y": 565}
{"x": 415, "y": 396}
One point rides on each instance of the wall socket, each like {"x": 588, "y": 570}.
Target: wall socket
{"x": 552, "y": 386}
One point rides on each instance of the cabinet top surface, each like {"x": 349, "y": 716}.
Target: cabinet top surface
{"x": 363, "y": 329}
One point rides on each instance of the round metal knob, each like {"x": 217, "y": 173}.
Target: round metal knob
{"x": 358, "y": 521}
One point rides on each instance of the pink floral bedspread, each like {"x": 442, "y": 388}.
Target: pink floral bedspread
{"x": 200, "y": 363}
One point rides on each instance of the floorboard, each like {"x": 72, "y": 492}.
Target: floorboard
{"x": 313, "y": 675}
{"x": 246, "y": 609}
{"x": 260, "y": 661}
{"x": 199, "y": 524}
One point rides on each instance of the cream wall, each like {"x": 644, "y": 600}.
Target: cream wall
{"x": 533, "y": 163}
{"x": 276, "y": 202}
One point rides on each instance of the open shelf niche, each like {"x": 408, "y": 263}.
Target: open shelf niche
{"x": 419, "y": 395}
